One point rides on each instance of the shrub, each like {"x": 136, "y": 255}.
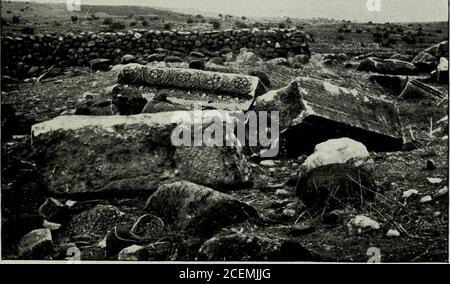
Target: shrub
{"x": 410, "y": 39}
{"x": 4, "y": 22}
{"x": 28, "y": 30}
{"x": 282, "y": 25}
{"x": 359, "y": 31}
{"x": 241, "y": 25}
{"x": 216, "y": 24}
{"x": 341, "y": 30}
{"x": 15, "y": 19}
{"x": 144, "y": 23}
{"x": 74, "y": 18}
{"x": 244, "y": 18}
{"x": 167, "y": 26}
{"x": 189, "y": 20}
{"x": 340, "y": 37}
{"x": 199, "y": 16}
{"x": 439, "y": 31}
{"x": 117, "y": 26}
{"x": 133, "y": 23}
{"x": 107, "y": 21}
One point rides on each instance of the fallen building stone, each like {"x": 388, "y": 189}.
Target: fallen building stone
{"x": 387, "y": 66}
{"x": 313, "y": 111}
{"x": 197, "y": 209}
{"x": 214, "y": 90}
{"x": 180, "y": 78}
{"x": 100, "y": 154}
{"x": 416, "y": 90}
{"x": 407, "y": 87}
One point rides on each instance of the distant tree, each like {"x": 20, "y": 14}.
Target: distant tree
{"x": 15, "y": 19}
{"x": 220, "y": 16}
{"x": 4, "y": 22}
{"x": 167, "y": 26}
{"x": 244, "y": 18}
{"x": 107, "y": 21}
{"x": 27, "y": 30}
{"x": 216, "y": 24}
{"x": 117, "y": 26}
{"x": 199, "y": 16}
{"x": 241, "y": 25}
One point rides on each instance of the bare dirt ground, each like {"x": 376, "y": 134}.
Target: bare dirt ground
{"x": 423, "y": 227}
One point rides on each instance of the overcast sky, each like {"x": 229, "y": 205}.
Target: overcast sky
{"x": 391, "y": 10}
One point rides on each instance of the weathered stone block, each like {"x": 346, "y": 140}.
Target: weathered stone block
{"x": 313, "y": 111}
{"x": 103, "y": 154}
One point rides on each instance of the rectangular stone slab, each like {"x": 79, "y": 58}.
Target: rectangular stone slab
{"x": 313, "y": 110}
{"x": 346, "y": 113}
{"x": 235, "y": 85}
{"x": 119, "y": 154}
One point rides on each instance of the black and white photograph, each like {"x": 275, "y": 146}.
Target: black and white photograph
{"x": 217, "y": 131}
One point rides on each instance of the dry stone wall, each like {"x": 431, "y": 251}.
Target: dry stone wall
{"x": 27, "y": 55}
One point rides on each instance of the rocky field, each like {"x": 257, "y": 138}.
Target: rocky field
{"x": 89, "y": 171}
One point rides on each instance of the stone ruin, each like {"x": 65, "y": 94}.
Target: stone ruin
{"x": 120, "y": 153}
{"x": 29, "y": 55}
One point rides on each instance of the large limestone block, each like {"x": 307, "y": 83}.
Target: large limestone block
{"x": 82, "y": 154}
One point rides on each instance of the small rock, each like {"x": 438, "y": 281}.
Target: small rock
{"x": 333, "y": 217}
{"x": 337, "y": 151}
{"x": 267, "y": 163}
{"x": 425, "y": 199}
{"x": 430, "y": 165}
{"x": 70, "y": 203}
{"x": 363, "y": 223}
{"x": 442, "y": 192}
{"x": 51, "y": 226}
{"x": 134, "y": 252}
{"x": 434, "y": 180}
{"x": 410, "y": 192}
{"x": 301, "y": 229}
{"x": 393, "y": 233}
{"x": 282, "y": 193}
{"x": 36, "y": 244}
{"x": 290, "y": 213}
{"x": 437, "y": 214}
